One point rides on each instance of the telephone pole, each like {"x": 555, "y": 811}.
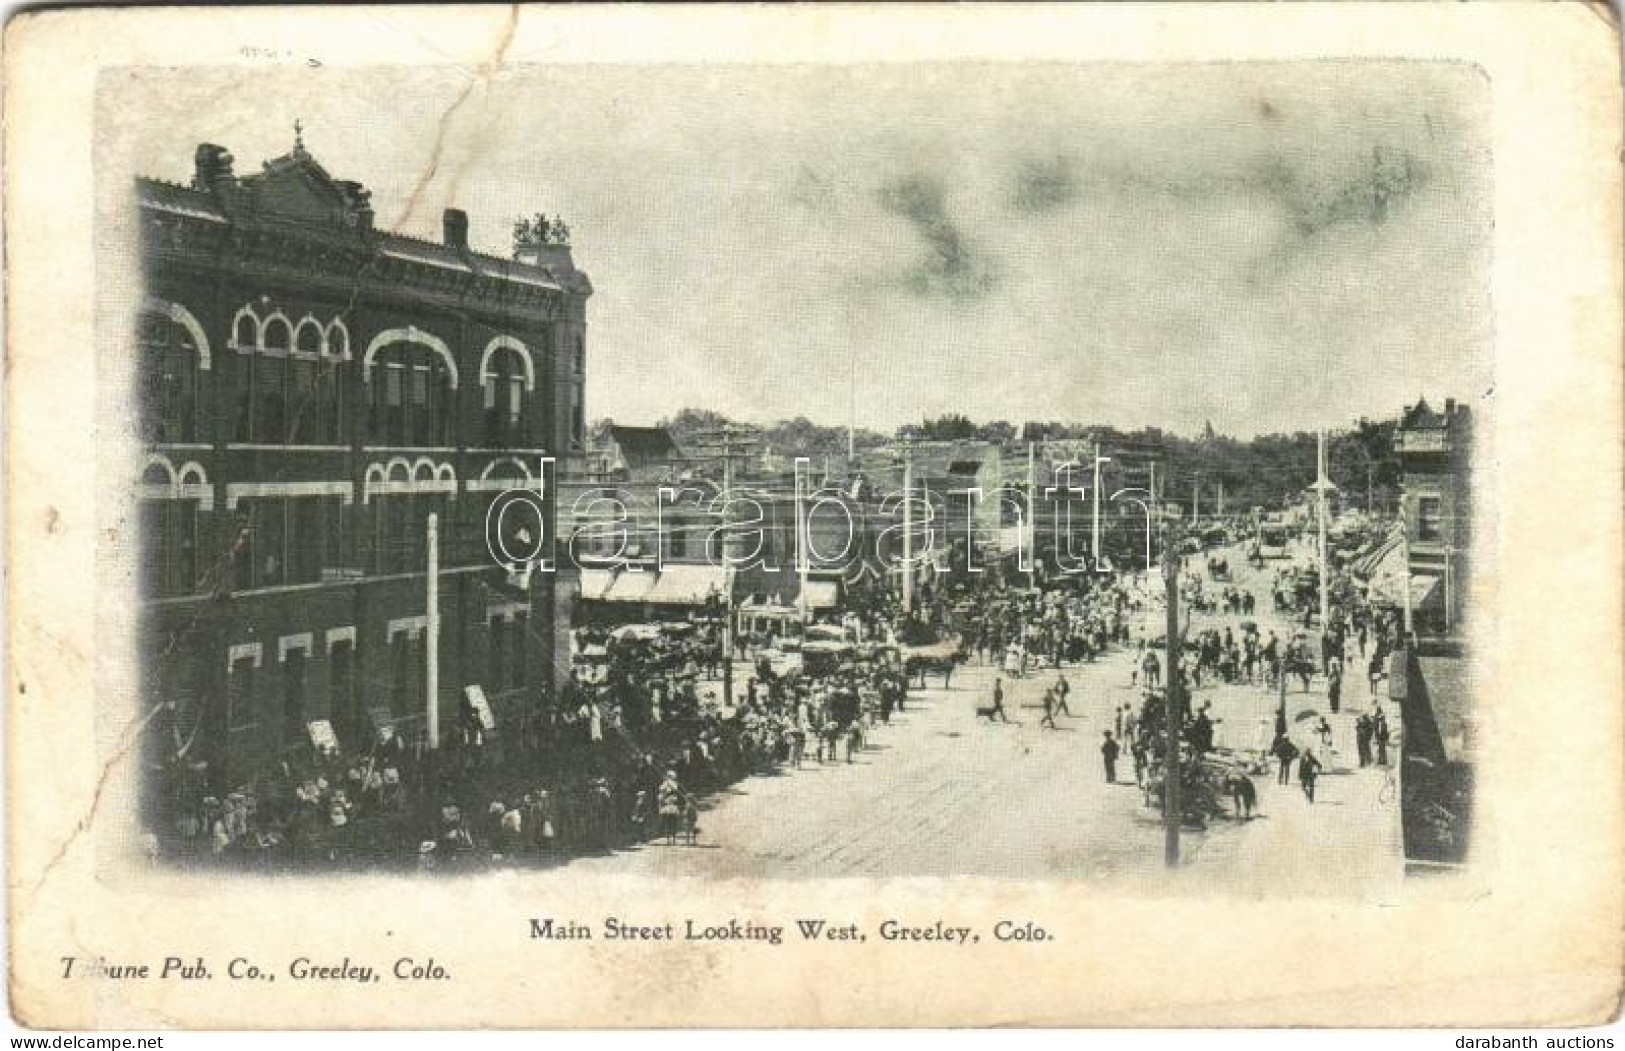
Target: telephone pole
{"x": 1094, "y": 539}
{"x": 1173, "y": 710}
{"x": 1031, "y": 524}
{"x": 727, "y": 589}
{"x": 1321, "y": 482}
{"x": 802, "y": 568}
{"x": 908, "y": 525}
{"x": 431, "y": 634}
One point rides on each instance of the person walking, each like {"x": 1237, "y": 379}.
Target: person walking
{"x": 1049, "y": 710}
{"x": 1152, "y": 668}
{"x": 1243, "y": 795}
{"x": 1109, "y": 751}
{"x": 1062, "y": 688}
{"x": 669, "y": 798}
{"x": 1379, "y": 734}
{"x": 1284, "y": 751}
{"x": 998, "y": 703}
{"x": 1362, "y": 738}
{"x": 1308, "y": 770}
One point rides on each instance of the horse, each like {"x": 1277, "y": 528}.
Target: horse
{"x": 922, "y": 665}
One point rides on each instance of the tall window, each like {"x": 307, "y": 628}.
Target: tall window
{"x": 519, "y": 650}
{"x": 270, "y": 382}
{"x": 330, "y": 395}
{"x": 168, "y": 541}
{"x": 168, "y": 359}
{"x": 304, "y": 405}
{"x": 406, "y": 689}
{"x": 499, "y": 651}
{"x": 347, "y": 719}
{"x": 1429, "y": 518}
{"x": 410, "y": 401}
{"x": 400, "y": 531}
{"x": 290, "y": 540}
{"x": 240, "y": 693}
{"x": 504, "y": 399}
{"x": 293, "y": 697}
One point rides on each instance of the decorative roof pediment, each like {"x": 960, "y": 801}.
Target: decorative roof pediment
{"x": 297, "y": 188}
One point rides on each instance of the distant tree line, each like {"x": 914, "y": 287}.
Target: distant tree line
{"x": 1262, "y": 471}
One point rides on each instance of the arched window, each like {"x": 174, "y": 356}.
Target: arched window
{"x": 169, "y": 533}
{"x": 410, "y": 397}
{"x": 338, "y": 340}
{"x": 245, "y": 331}
{"x": 504, "y": 399}
{"x": 277, "y": 334}
{"x": 168, "y": 360}
{"x": 308, "y": 338}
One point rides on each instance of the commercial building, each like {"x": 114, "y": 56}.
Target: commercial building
{"x": 1434, "y": 450}
{"x": 311, "y": 389}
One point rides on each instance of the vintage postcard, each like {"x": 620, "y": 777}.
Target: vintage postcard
{"x": 814, "y": 516}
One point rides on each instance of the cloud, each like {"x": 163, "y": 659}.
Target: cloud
{"x": 951, "y": 267}
{"x": 1364, "y": 191}
{"x": 1044, "y": 184}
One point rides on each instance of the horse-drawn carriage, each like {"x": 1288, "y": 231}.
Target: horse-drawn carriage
{"x": 1218, "y": 568}
{"x": 1210, "y": 780}
{"x": 940, "y": 659}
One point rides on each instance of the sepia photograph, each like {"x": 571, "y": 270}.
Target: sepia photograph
{"x": 828, "y": 473}
{"x": 765, "y": 516}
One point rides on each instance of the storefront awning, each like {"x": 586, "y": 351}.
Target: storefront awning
{"x": 595, "y": 582}
{"x": 1422, "y": 590}
{"x": 630, "y": 587}
{"x": 1387, "y": 589}
{"x": 686, "y": 585}
{"x": 822, "y": 594}
{"x": 769, "y": 609}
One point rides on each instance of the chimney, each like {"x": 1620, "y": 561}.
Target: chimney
{"x": 1449, "y": 409}
{"x": 211, "y": 166}
{"x": 454, "y": 223}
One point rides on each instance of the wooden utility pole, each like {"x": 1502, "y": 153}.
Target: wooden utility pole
{"x": 1173, "y": 709}
{"x": 803, "y": 567}
{"x": 908, "y": 526}
{"x": 727, "y": 591}
{"x": 1094, "y": 529}
{"x": 431, "y": 636}
{"x": 1321, "y": 482}
{"x": 1031, "y": 523}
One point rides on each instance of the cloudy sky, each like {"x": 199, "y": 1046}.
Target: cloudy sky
{"x": 1266, "y": 246}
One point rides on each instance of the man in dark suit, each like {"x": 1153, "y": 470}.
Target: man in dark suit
{"x": 1308, "y": 770}
{"x": 1109, "y": 751}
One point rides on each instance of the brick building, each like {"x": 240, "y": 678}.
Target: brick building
{"x": 310, "y": 389}
{"x": 1434, "y": 450}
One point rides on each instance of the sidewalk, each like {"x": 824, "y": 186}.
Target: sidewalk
{"x": 1348, "y": 841}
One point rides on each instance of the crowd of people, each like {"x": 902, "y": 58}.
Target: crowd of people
{"x": 635, "y": 738}
{"x": 640, "y": 732}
